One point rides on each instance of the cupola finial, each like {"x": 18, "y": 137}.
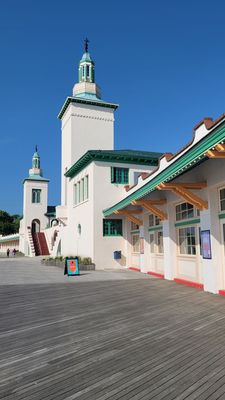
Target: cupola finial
{"x": 36, "y": 149}
{"x": 86, "y": 41}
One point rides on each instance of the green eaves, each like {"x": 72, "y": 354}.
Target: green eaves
{"x": 194, "y": 154}
{"x": 111, "y": 156}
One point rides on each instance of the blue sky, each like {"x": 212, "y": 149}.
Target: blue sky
{"x": 162, "y": 61}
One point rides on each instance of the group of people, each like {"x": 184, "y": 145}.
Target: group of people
{"x": 13, "y": 252}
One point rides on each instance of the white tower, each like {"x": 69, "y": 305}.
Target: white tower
{"x": 35, "y": 200}
{"x": 87, "y": 121}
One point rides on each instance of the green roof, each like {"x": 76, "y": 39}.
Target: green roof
{"x": 94, "y": 102}
{"x": 9, "y": 238}
{"x": 114, "y": 156}
{"x": 191, "y": 157}
{"x": 36, "y": 178}
{"x": 51, "y": 211}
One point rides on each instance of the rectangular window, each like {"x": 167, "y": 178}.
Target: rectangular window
{"x": 159, "y": 241}
{"x": 154, "y": 220}
{"x": 75, "y": 194}
{"x": 86, "y": 187}
{"x": 187, "y": 240}
{"x": 112, "y": 227}
{"x": 156, "y": 242}
{"x": 78, "y": 192}
{"x": 152, "y": 242}
{"x": 36, "y": 195}
{"x": 134, "y": 227}
{"x": 135, "y": 240}
{"x": 87, "y": 66}
{"x": 151, "y": 220}
{"x": 82, "y": 190}
{"x": 119, "y": 175}
{"x": 185, "y": 211}
{"x": 222, "y": 199}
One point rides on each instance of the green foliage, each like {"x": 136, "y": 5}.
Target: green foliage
{"x": 86, "y": 261}
{"x": 81, "y": 260}
{"x": 9, "y": 223}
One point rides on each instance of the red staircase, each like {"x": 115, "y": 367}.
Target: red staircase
{"x": 40, "y": 244}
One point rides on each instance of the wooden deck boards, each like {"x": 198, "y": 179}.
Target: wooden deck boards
{"x": 126, "y": 339}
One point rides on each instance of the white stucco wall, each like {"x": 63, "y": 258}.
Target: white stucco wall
{"x": 72, "y": 242}
{"x": 209, "y": 272}
{"x": 91, "y": 242}
{"x": 84, "y": 127}
{"x": 32, "y": 211}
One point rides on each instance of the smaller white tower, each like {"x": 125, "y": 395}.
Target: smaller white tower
{"x": 35, "y": 201}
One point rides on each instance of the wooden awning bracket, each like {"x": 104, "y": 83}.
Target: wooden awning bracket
{"x": 128, "y": 214}
{"x": 181, "y": 190}
{"x": 149, "y": 205}
{"x": 219, "y": 151}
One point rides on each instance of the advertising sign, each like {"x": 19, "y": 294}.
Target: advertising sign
{"x": 72, "y": 266}
{"x": 206, "y": 245}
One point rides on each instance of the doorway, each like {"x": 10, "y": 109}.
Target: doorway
{"x": 35, "y": 226}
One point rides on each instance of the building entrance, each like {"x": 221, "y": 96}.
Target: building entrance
{"x": 35, "y": 226}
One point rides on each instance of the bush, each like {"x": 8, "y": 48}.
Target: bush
{"x": 86, "y": 261}
{"x": 81, "y": 260}
{"x": 59, "y": 258}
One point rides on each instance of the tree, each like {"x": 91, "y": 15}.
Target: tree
{"x": 9, "y": 223}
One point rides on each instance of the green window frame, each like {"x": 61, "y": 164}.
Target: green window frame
{"x": 135, "y": 243}
{"x": 187, "y": 241}
{"x": 86, "y": 187}
{"x": 186, "y": 211}
{"x": 75, "y": 194}
{"x": 222, "y": 199}
{"x": 154, "y": 220}
{"x": 81, "y": 191}
{"x": 112, "y": 227}
{"x": 120, "y": 175}
{"x": 36, "y": 195}
{"x": 78, "y": 192}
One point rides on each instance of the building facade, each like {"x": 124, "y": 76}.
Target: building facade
{"x": 158, "y": 214}
{"x": 179, "y": 211}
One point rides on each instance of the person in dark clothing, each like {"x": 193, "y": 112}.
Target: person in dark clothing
{"x": 8, "y": 251}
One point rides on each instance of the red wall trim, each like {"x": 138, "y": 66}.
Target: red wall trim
{"x": 134, "y": 269}
{"x": 222, "y": 292}
{"x": 189, "y": 283}
{"x": 161, "y": 276}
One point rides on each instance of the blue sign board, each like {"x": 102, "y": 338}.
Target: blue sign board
{"x": 72, "y": 266}
{"x": 206, "y": 245}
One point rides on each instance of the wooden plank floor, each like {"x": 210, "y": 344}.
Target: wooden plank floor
{"x": 106, "y": 339}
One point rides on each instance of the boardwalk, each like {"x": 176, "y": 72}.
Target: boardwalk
{"x": 107, "y": 336}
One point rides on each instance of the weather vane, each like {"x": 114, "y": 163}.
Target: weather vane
{"x": 36, "y": 148}
{"x": 86, "y": 45}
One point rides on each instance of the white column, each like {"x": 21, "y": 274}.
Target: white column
{"x": 169, "y": 243}
{"x": 212, "y": 268}
{"x": 142, "y": 248}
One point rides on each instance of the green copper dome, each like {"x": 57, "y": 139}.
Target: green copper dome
{"x": 36, "y": 159}
{"x": 86, "y": 57}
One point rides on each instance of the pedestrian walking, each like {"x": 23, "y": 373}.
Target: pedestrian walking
{"x": 8, "y": 251}
{"x": 14, "y": 252}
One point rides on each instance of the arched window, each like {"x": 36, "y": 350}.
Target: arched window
{"x": 36, "y": 195}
